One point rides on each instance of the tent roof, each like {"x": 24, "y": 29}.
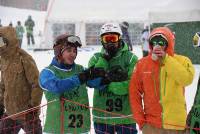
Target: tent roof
{"x": 116, "y": 10}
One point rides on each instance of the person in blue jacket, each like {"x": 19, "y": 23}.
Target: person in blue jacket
{"x": 65, "y": 80}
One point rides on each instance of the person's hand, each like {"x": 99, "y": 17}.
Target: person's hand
{"x": 116, "y": 74}
{"x": 2, "y": 110}
{"x": 91, "y": 73}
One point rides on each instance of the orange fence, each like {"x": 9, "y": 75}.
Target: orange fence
{"x": 33, "y": 123}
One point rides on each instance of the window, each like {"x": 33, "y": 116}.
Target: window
{"x": 61, "y": 28}
{"x": 92, "y": 33}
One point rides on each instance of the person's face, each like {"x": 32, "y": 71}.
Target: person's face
{"x": 110, "y": 39}
{"x": 69, "y": 55}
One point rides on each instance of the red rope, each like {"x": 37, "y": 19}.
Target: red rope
{"x": 23, "y": 113}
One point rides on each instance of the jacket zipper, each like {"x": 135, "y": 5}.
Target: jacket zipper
{"x": 165, "y": 83}
{"x": 161, "y": 95}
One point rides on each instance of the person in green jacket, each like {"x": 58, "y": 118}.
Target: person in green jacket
{"x": 20, "y": 31}
{"x": 29, "y": 24}
{"x": 65, "y": 80}
{"x": 193, "y": 118}
{"x": 114, "y": 98}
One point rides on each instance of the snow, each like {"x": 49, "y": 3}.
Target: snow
{"x": 43, "y": 58}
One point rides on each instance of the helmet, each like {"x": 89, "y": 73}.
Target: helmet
{"x": 111, "y": 28}
{"x": 125, "y": 24}
{"x": 63, "y": 41}
{"x": 196, "y": 40}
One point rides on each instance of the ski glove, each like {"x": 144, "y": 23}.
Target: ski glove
{"x": 116, "y": 74}
{"x": 91, "y": 73}
{"x": 2, "y": 110}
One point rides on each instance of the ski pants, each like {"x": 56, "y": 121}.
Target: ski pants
{"x": 112, "y": 129}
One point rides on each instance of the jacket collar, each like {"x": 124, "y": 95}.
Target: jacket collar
{"x": 62, "y": 66}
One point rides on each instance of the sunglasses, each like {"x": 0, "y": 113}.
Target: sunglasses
{"x": 110, "y": 38}
{"x": 3, "y": 41}
{"x": 67, "y": 40}
{"x": 158, "y": 40}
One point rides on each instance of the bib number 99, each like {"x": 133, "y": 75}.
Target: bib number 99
{"x": 114, "y": 104}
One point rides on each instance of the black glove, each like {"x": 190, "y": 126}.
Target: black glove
{"x": 2, "y": 110}
{"x": 91, "y": 73}
{"x": 116, "y": 74}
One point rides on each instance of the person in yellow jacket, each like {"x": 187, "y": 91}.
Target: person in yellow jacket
{"x": 157, "y": 86}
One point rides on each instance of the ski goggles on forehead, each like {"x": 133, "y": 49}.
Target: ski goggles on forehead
{"x": 3, "y": 41}
{"x": 74, "y": 39}
{"x": 158, "y": 40}
{"x": 110, "y": 38}
{"x": 70, "y": 40}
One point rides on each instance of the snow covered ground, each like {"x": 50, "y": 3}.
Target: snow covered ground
{"x": 43, "y": 58}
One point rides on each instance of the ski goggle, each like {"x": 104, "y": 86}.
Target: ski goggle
{"x": 70, "y": 40}
{"x": 158, "y": 40}
{"x": 110, "y": 38}
{"x": 3, "y": 41}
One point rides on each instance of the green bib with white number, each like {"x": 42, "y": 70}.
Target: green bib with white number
{"x": 74, "y": 118}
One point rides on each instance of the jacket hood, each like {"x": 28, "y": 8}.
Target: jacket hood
{"x": 8, "y": 33}
{"x": 169, "y": 35}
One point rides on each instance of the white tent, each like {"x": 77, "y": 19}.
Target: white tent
{"x": 176, "y": 11}
{"x": 80, "y": 12}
